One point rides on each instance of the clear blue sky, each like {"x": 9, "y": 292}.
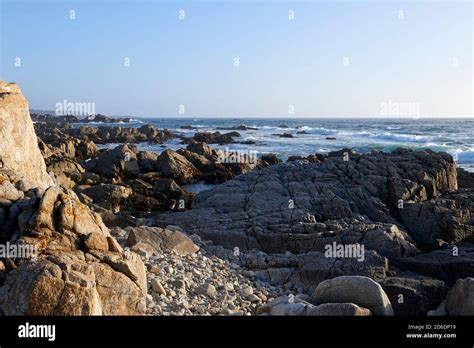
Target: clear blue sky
{"x": 424, "y": 58}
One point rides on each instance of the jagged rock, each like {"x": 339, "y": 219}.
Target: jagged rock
{"x": 460, "y": 298}
{"x": 267, "y": 205}
{"x": 270, "y": 159}
{"x": 362, "y": 291}
{"x": 201, "y": 162}
{"x": 147, "y": 161}
{"x": 214, "y": 138}
{"x": 448, "y": 264}
{"x": 109, "y": 196}
{"x": 79, "y": 270}
{"x": 20, "y": 157}
{"x": 175, "y": 166}
{"x": 60, "y": 165}
{"x": 104, "y": 135}
{"x": 201, "y": 149}
{"x": 465, "y": 179}
{"x": 119, "y": 162}
{"x": 177, "y": 197}
{"x": 449, "y": 219}
{"x": 8, "y": 191}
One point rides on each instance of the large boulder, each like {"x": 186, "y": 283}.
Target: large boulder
{"x": 109, "y": 196}
{"x": 175, "y": 166}
{"x": 20, "y": 157}
{"x": 414, "y": 296}
{"x": 77, "y": 267}
{"x": 362, "y": 291}
{"x": 297, "y": 306}
{"x": 160, "y": 240}
{"x": 460, "y": 299}
{"x": 118, "y": 163}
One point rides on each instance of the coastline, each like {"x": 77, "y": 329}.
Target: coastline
{"x": 339, "y": 233}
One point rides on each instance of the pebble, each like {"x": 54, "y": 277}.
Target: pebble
{"x": 204, "y": 285}
{"x": 157, "y": 287}
{"x": 247, "y": 291}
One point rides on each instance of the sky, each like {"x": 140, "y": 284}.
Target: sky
{"x": 242, "y": 58}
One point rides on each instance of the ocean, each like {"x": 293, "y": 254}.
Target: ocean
{"x": 454, "y": 136}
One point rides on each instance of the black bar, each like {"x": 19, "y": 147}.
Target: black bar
{"x": 224, "y": 331}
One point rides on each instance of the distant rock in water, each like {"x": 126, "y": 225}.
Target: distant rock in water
{"x": 213, "y": 138}
{"x": 20, "y": 158}
{"x": 188, "y": 127}
{"x": 330, "y": 138}
{"x": 285, "y": 135}
{"x": 242, "y": 127}
{"x": 104, "y": 119}
{"x": 108, "y": 134}
{"x": 50, "y": 118}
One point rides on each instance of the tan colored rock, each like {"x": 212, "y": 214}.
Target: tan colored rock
{"x": 161, "y": 240}
{"x": 359, "y": 290}
{"x": 80, "y": 269}
{"x": 20, "y": 157}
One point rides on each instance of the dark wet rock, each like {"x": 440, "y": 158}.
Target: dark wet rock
{"x": 270, "y": 159}
{"x": 109, "y": 196}
{"x": 188, "y": 127}
{"x": 460, "y": 298}
{"x": 450, "y": 219}
{"x": 447, "y": 264}
{"x": 120, "y": 162}
{"x": 465, "y": 179}
{"x": 312, "y": 270}
{"x": 414, "y": 295}
{"x": 178, "y": 198}
{"x": 214, "y": 138}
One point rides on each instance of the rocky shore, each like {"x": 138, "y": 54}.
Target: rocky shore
{"x": 115, "y": 231}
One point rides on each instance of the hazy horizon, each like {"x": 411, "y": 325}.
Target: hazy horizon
{"x": 149, "y": 59}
